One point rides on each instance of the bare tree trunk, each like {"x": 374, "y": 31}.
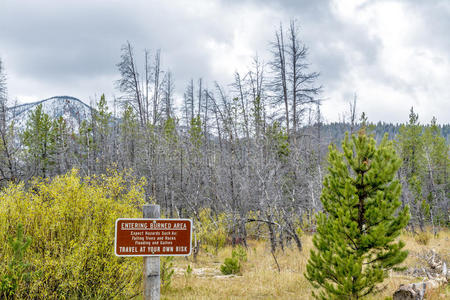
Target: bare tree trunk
{"x": 238, "y": 85}
{"x": 272, "y": 237}
{"x": 156, "y": 86}
{"x": 352, "y": 115}
{"x": 281, "y": 65}
{"x": 199, "y": 96}
{"x": 135, "y": 78}
{"x": 147, "y": 86}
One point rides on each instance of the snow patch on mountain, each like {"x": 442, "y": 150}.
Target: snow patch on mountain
{"x": 72, "y": 109}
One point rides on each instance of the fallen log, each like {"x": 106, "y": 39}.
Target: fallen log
{"x": 416, "y": 291}
{"x": 410, "y": 292}
{"x": 436, "y": 272}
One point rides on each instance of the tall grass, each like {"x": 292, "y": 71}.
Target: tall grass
{"x": 260, "y": 278}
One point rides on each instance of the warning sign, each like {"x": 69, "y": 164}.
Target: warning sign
{"x": 153, "y": 237}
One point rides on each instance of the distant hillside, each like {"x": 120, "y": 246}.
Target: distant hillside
{"x": 73, "y": 110}
{"x": 335, "y": 132}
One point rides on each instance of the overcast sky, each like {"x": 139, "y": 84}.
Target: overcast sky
{"x": 393, "y": 54}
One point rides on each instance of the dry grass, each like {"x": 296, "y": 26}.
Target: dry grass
{"x": 261, "y": 280}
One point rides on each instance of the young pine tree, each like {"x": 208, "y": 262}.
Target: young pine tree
{"x": 411, "y": 151}
{"x": 355, "y": 241}
{"x": 39, "y": 141}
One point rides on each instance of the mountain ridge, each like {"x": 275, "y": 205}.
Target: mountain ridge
{"x": 72, "y": 109}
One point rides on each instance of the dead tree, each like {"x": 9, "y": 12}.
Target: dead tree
{"x": 293, "y": 84}
{"x": 156, "y": 86}
{"x": 278, "y": 64}
{"x": 129, "y": 81}
{"x": 168, "y": 91}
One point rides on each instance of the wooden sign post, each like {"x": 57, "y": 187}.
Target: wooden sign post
{"x": 151, "y": 238}
{"x": 152, "y": 280}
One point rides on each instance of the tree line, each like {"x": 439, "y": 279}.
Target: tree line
{"x": 253, "y": 149}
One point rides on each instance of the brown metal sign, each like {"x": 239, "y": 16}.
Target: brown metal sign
{"x": 153, "y": 237}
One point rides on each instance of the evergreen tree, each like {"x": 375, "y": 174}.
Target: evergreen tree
{"x": 195, "y": 133}
{"x": 129, "y": 136}
{"x": 101, "y": 120}
{"x": 86, "y": 146}
{"x": 356, "y": 234}
{"x": 437, "y": 185}
{"x": 278, "y": 141}
{"x": 39, "y": 140}
{"x": 411, "y": 152}
{"x": 62, "y": 147}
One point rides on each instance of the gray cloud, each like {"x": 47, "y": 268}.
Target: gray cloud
{"x": 436, "y": 23}
{"x": 72, "y": 47}
{"x": 60, "y": 41}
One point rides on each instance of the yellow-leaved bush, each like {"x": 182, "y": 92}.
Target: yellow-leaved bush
{"x": 71, "y": 222}
{"x": 211, "y": 229}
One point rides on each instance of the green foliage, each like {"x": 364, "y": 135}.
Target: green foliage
{"x": 102, "y": 116}
{"x": 365, "y": 126}
{"x": 129, "y": 120}
{"x": 410, "y": 147}
{"x": 170, "y": 133}
{"x": 240, "y": 253}
{"x": 356, "y": 234}
{"x": 85, "y": 140}
{"x": 436, "y": 152}
{"x": 195, "y": 132}
{"x": 102, "y": 119}
{"x": 61, "y": 134}
{"x": 71, "y": 223}
{"x": 211, "y": 229}
{"x": 188, "y": 274}
{"x": 305, "y": 223}
{"x": 39, "y": 140}
{"x": 171, "y": 140}
{"x": 129, "y": 137}
{"x": 278, "y": 138}
{"x": 424, "y": 153}
{"x": 166, "y": 271}
{"x": 17, "y": 269}
{"x": 189, "y": 270}
{"x": 257, "y": 112}
{"x": 230, "y": 266}
{"x": 437, "y": 162}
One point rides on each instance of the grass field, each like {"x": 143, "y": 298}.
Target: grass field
{"x": 260, "y": 278}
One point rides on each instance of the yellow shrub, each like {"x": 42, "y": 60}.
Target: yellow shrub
{"x": 71, "y": 223}
{"x": 211, "y": 229}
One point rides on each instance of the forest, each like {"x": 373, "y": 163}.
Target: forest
{"x": 250, "y": 154}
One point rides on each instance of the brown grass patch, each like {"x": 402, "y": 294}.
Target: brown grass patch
{"x": 261, "y": 280}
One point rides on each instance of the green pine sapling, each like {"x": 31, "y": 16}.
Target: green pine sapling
{"x": 356, "y": 232}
